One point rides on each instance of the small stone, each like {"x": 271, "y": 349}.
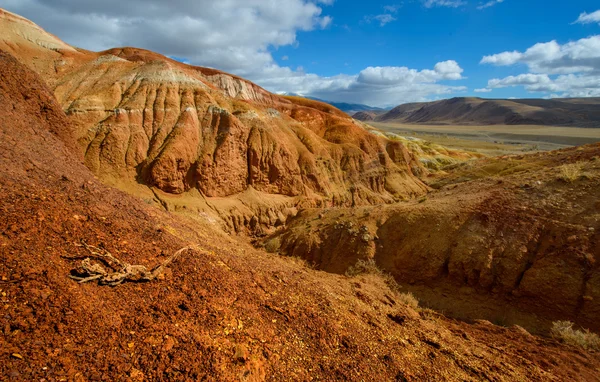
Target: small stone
{"x": 241, "y": 354}
{"x": 168, "y": 344}
{"x": 136, "y": 375}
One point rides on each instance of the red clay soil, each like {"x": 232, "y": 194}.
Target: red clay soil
{"x": 224, "y": 312}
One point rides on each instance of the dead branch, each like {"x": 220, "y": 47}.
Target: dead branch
{"x": 119, "y": 271}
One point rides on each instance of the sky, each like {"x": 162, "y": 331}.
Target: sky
{"x": 379, "y": 53}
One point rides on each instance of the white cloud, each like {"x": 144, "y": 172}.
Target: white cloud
{"x": 573, "y": 57}
{"x": 444, "y": 3}
{"x": 502, "y": 59}
{"x": 490, "y": 3}
{"x": 521, "y": 79}
{"x": 382, "y": 19}
{"x": 566, "y": 85}
{"x": 589, "y": 18}
{"x": 230, "y": 35}
{"x": 385, "y": 17}
{"x": 567, "y": 70}
{"x": 285, "y": 58}
{"x": 483, "y": 90}
{"x": 395, "y": 75}
{"x": 392, "y": 8}
{"x": 373, "y": 85}
{"x": 449, "y": 70}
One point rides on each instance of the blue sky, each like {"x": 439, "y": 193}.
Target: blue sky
{"x": 381, "y": 53}
{"x": 419, "y": 37}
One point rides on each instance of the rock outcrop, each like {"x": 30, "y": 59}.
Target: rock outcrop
{"x": 142, "y": 117}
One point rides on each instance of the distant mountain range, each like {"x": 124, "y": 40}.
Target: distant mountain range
{"x": 348, "y": 108}
{"x": 576, "y": 112}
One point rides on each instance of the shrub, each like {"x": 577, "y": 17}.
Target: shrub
{"x": 408, "y": 299}
{"x": 564, "y": 331}
{"x": 570, "y": 172}
{"x": 363, "y": 266}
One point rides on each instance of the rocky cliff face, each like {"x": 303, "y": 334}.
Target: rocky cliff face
{"x": 143, "y": 117}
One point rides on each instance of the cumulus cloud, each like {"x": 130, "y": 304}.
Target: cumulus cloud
{"x": 502, "y": 59}
{"x": 228, "y": 34}
{"x": 576, "y": 56}
{"x": 237, "y": 37}
{"x": 444, "y": 3}
{"x": 389, "y": 85}
{"x": 589, "y": 18}
{"x": 568, "y": 70}
{"x": 483, "y": 90}
{"x": 567, "y": 85}
{"x": 490, "y": 3}
{"x": 394, "y": 75}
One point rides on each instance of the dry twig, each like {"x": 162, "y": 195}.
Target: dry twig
{"x": 120, "y": 271}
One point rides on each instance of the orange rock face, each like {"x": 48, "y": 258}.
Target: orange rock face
{"x": 143, "y": 117}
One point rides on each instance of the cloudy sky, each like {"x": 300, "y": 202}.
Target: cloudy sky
{"x": 381, "y": 53}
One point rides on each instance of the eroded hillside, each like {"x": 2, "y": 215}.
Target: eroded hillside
{"x": 514, "y": 239}
{"x": 232, "y": 151}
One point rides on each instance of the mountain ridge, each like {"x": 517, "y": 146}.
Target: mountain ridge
{"x": 575, "y": 112}
{"x": 346, "y": 107}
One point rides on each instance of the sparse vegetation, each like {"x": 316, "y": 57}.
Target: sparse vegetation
{"x": 362, "y": 267}
{"x": 408, "y": 299}
{"x": 571, "y": 172}
{"x": 273, "y": 245}
{"x": 564, "y": 331}
{"x": 370, "y": 267}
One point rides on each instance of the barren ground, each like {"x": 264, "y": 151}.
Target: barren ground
{"x": 497, "y": 139}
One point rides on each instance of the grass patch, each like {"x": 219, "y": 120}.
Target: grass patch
{"x": 370, "y": 267}
{"x": 564, "y": 331}
{"x": 571, "y": 172}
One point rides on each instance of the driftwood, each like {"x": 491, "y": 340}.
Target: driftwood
{"x": 119, "y": 271}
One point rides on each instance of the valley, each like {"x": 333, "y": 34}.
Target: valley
{"x": 496, "y": 139}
